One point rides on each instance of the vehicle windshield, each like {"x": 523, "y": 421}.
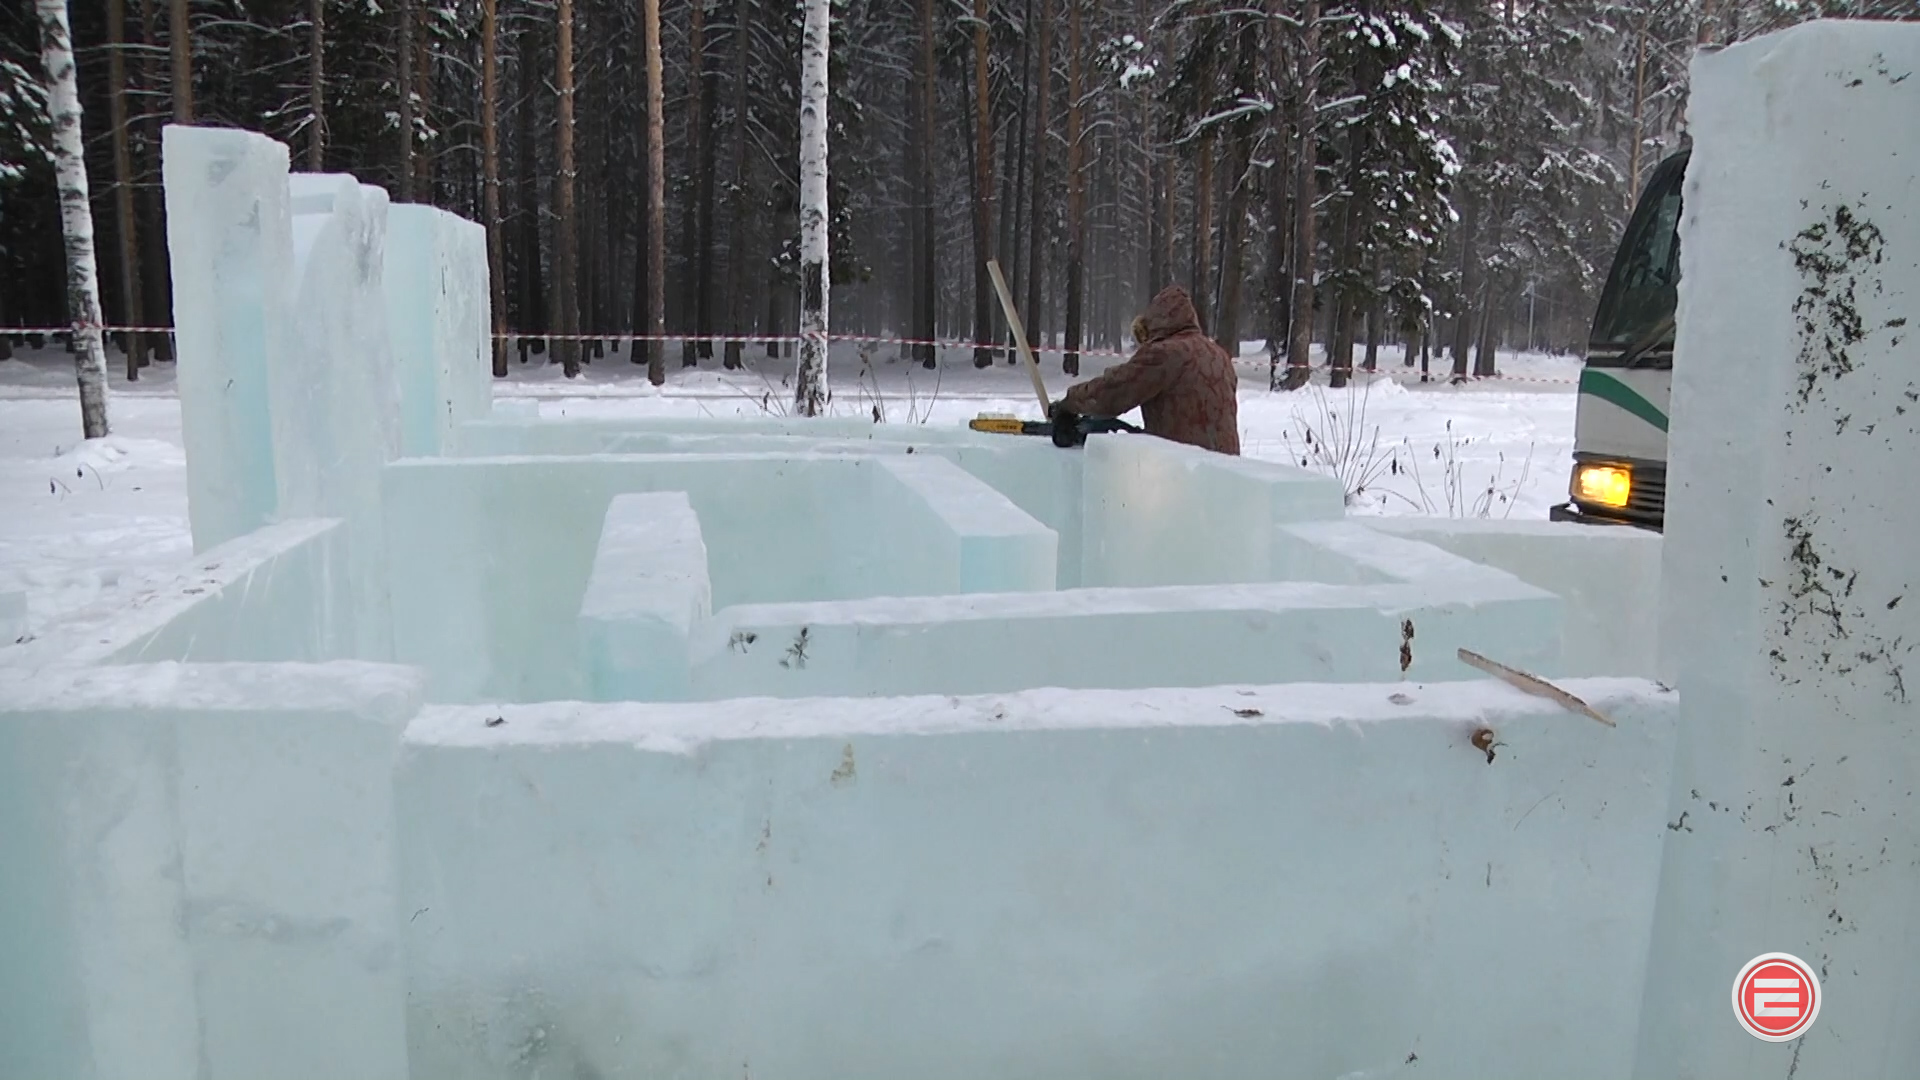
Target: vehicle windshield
{"x": 1640, "y": 293}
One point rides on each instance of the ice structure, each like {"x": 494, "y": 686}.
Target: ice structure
{"x": 530, "y": 747}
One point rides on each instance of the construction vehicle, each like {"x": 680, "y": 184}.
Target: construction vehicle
{"x": 1620, "y": 423}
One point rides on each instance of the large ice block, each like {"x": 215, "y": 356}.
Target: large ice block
{"x": 229, "y": 246}
{"x": 1160, "y": 513}
{"x": 489, "y": 557}
{"x": 1148, "y": 637}
{"x": 1289, "y": 880}
{"x": 975, "y": 537}
{"x": 1789, "y": 611}
{"x": 648, "y": 588}
{"x": 275, "y": 594}
{"x": 438, "y": 311}
{"x": 336, "y": 398}
{"x": 1609, "y": 578}
{"x": 200, "y": 872}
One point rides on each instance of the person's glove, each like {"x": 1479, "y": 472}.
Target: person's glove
{"x": 1066, "y": 426}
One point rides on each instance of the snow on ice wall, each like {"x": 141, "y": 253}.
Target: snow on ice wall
{"x": 200, "y": 871}
{"x": 1304, "y": 880}
{"x": 1789, "y": 612}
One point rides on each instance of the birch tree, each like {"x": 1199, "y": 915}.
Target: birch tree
{"x": 76, "y": 213}
{"x": 810, "y": 381}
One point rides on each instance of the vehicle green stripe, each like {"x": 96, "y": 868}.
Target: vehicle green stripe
{"x": 1614, "y": 392}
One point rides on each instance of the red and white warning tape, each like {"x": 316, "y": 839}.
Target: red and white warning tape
{"x": 763, "y": 339}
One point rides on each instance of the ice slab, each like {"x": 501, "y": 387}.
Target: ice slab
{"x": 489, "y": 557}
{"x": 1160, "y": 513}
{"x": 1147, "y": 637}
{"x": 1787, "y": 559}
{"x": 438, "y": 311}
{"x": 201, "y": 871}
{"x": 1113, "y": 884}
{"x": 229, "y": 245}
{"x": 13, "y": 617}
{"x": 1609, "y": 578}
{"x": 337, "y": 399}
{"x": 975, "y": 538}
{"x": 276, "y": 594}
{"x": 648, "y": 587}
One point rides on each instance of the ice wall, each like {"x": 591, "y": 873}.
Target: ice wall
{"x": 438, "y": 311}
{"x": 229, "y": 244}
{"x": 336, "y": 396}
{"x": 1292, "y": 880}
{"x": 200, "y": 872}
{"x": 1789, "y": 613}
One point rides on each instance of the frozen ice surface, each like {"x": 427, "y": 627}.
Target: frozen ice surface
{"x": 13, "y": 616}
{"x": 229, "y": 242}
{"x": 438, "y": 313}
{"x": 976, "y": 539}
{"x": 1159, "y": 513}
{"x": 201, "y": 871}
{"x": 1609, "y": 579}
{"x": 276, "y": 594}
{"x": 1788, "y": 611}
{"x": 648, "y": 587}
{"x": 1098, "y": 883}
{"x": 490, "y": 557}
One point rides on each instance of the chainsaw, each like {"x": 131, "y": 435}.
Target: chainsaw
{"x": 1001, "y": 424}
{"x": 1083, "y": 426}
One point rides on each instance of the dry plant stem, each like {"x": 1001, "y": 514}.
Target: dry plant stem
{"x": 1532, "y": 684}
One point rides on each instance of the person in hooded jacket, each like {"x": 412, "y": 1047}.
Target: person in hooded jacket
{"x": 1183, "y": 384}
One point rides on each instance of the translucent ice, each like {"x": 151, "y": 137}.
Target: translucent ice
{"x": 648, "y": 588}
{"x": 229, "y": 245}
{"x": 1788, "y": 607}
{"x": 1144, "y": 883}
{"x": 336, "y": 395}
{"x": 437, "y": 311}
{"x": 200, "y": 875}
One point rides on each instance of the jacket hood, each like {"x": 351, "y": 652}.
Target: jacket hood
{"x": 1170, "y": 313}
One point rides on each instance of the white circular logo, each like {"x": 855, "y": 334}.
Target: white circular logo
{"x": 1776, "y": 997}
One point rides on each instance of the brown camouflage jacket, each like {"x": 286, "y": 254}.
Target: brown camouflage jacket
{"x": 1182, "y": 383}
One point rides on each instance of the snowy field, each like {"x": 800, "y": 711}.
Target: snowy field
{"x": 77, "y": 519}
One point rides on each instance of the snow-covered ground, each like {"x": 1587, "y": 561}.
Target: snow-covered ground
{"x": 79, "y": 518}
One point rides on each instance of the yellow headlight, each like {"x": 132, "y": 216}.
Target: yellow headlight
{"x": 1606, "y": 485}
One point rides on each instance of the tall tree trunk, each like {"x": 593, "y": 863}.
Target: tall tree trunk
{"x": 983, "y": 320}
{"x": 810, "y": 379}
{"x": 1076, "y": 195}
{"x": 76, "y": 213}
{"x": 180, "y": 40}
{"x": 1203, "y": 229}
{"x": 130, "y": 308}
{"x": 693, "y": 237}
{"x": 1013, "y": 174}
{"x": 423, "y": 71}
{"x": 317, "y": 88}
{"x": 533, "y": 322}
{"x": 656, "y": 200}
{"x": 929, "y": 279}
{"x": 1469, "y": 288}
{"x": 1233, "y": 238}
{"x": 739, "y": 315}
{"x": 1639, "y": 109}
{"x": 1042, "y": 130}
{"x": 1376, "y": 314}
{"x": 1305, "y": 194}
{"x": 490, "y": 155}
{"x": 566, "y": 261}
{"x": 1279, "y": 242}
{"x": 153, "y": 246}
{"x": 404, "y": 60}
{"x": 704, "y": 197}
